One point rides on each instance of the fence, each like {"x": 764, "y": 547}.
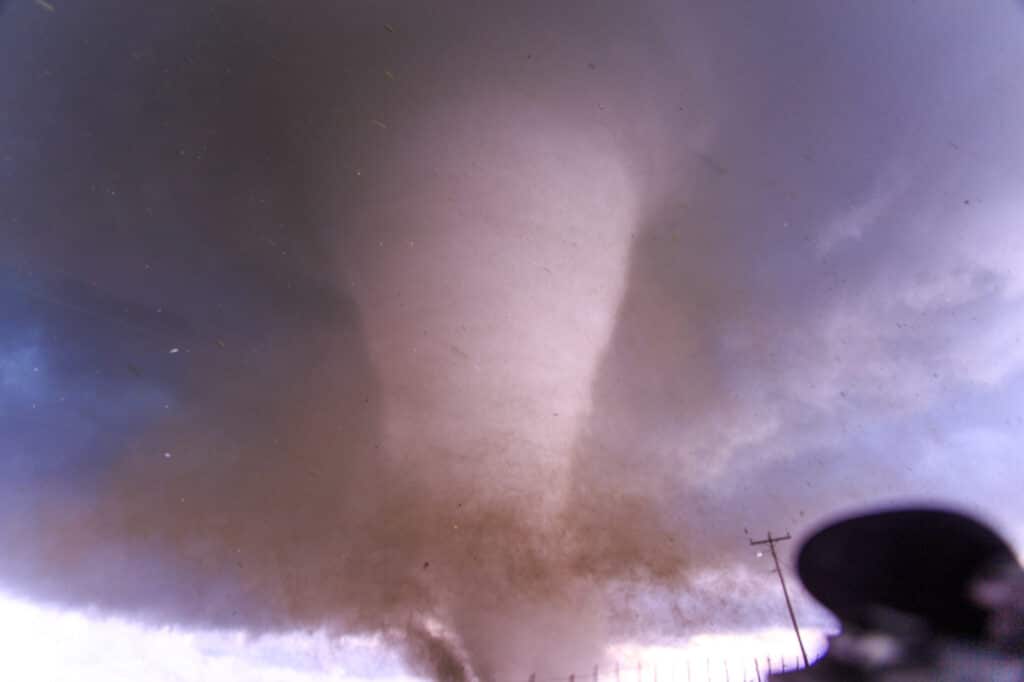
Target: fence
{"x": 756, "y": 669}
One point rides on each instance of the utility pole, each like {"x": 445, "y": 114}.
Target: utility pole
{"x": 770, "y": 541}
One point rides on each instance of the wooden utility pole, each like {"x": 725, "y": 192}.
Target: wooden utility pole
{"x": 770, "y": 541}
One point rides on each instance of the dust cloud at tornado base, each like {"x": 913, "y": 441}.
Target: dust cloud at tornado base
{"x": 495, "y": 329}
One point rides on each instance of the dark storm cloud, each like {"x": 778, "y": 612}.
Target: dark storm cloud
{"x": 487, "y": 329}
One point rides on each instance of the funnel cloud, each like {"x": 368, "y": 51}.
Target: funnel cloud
{"x": 495, "y": 332}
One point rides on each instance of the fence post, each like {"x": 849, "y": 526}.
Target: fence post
{"x": 757, "y": 669}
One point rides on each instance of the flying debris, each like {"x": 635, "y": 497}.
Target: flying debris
{"x": 606, "y": 429}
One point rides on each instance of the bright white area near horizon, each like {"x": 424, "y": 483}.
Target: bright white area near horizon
{"x": 47, "y": 644}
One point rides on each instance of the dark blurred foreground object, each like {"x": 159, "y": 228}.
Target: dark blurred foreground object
{"x": 922, "y": 594}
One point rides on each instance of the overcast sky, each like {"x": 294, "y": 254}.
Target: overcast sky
{"x": 492, "y": 333}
